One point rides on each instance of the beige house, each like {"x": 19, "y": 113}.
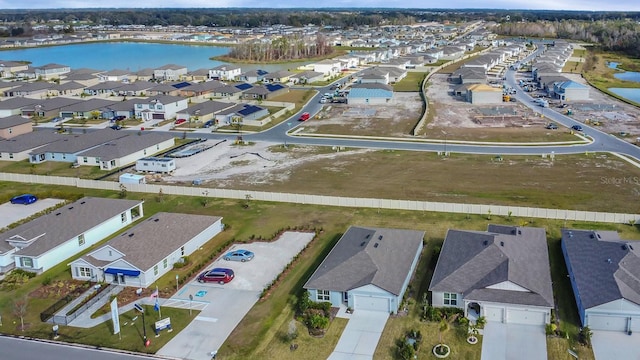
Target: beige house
{"x": 13, "y": 126}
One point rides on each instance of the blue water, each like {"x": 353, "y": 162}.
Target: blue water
{"x": 131, "y": 56}
{"x": 632, "y": 94}
{"x": 628, "y": 76}
{"x": 613, "y": 64}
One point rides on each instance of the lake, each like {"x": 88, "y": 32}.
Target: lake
{"x": 131, "y": 56}
{"x": 624, "y": 75}
{"x": 632, "y": 94}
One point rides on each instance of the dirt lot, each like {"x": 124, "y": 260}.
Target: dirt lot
{"x": 395, "y": 118}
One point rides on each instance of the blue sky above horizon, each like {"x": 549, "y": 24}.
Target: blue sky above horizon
{"x": 589, "y": 5}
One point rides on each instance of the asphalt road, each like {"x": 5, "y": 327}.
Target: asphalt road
{"x": 22, "y": 349}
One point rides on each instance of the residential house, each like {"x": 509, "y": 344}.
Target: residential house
{"x": 66, "y": 150}
{"x": 502, "y": 274}
{"x": 14, "y": 125}
{"x": 18, "y": 148}
{"x": 70, "y": 88}
{"x": 87, "y": 109}
{"x": 44, "y": 242}
{"x": 266, "y": 91}
{"x": 482, "y": 94}
{"x": 369, "y": 93}
{"x": 51, "y": 71}
{"x": 29, "y": 89}
{"x": 199, "y": 75}
{"x": 204, "y": 111}
{"x": 147, "y": 251}
{"x": 368, "y": 269}
{"x": 84, "y": 76}
{"x": 137, "y": 88}
{"x": 8, "y": 69}
{"x": 115, "y": 75}
{"x": 125, "y": 150}
{"x": 225, "y": 72}
{"x": 201, "y": 90}
{"x": 328, "y": 67}
{"x": 227, "y": 91}
{"x": 14, "y": 105}
{"x": 242, "y": 113}
{"x": 570, "y": 90}
{"x": 603, "y": 270}
{"x": 252, "y": 76}
{"x": 170, "y": 72}
{"x": 281, "y": 76}
{"x": 145, "y": 74}
{"x": 107, "y": 88}
{"x": 159, "y": 107}
{"x": 48, "y": 108}
{"x": 307, "y": 77}
{"x": 168, "y": 88}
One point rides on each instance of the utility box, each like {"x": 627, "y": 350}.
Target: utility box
{"x": 132, "y": 179}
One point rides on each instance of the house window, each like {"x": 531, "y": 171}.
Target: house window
{"x": 157, "y": 147}
{"x": 123, "y": 217}
{"x": 84, "y": 272}
{"x": 10, "y": 131}
{"x": 451, "y": 299}
{"x": 26, "y": 262}
{"x": 182, "y": 251}
{"x": 323, "y": 295}
{"x": 145, "y": 151}
{"x": 10, "y": 155}
{"x": 80, "y": 239}
{"x": 85, "y": 159}
{"x": 165, "y": 262}
{"x": 155, "y": 270}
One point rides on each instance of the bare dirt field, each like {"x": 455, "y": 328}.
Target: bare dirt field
{"x": 396, "y": 118}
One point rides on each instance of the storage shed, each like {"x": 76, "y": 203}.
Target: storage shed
{"x": 156, "y": 164}
{"x": 132, "y": 179}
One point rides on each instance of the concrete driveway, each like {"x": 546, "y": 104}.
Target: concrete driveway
{"x": 224, "y": 306}
{"x": 11, "y": 213}
{"x": 611, "y": 345}
{"x": 361, "y": 335}
{"x": 513, "y": 341}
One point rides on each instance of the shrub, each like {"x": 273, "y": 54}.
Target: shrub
{"x": 317, "y": 321}
{"x": 46, "y": 281}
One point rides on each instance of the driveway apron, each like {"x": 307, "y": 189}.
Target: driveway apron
{"x": 609, "y": 345}
{"x": 361, "y": 335}
{"x": 513, "y": 341}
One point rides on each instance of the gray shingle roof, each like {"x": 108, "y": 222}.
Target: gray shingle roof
{"x": 604, "y": 267}
{"x": 29, "y": 141}
{"x": 153, "y": 240}
{"x": 13, "y": 120}
{"x": 75, "y": 143}
{"x": 64, "y": 223}
{"x": 471, "y": 261}
{"x": 356, "y": 260}
{"x": 126, "y": 145}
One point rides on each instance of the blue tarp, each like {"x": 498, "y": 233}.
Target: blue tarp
{"x": 125, "y": 272}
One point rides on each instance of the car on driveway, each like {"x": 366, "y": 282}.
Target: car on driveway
{"x": 208, "y": 124}
{"x": 116, "y": 127}
{"x": 552, "y": 126}
{"x": 218, "y": 275}
{"x": 576, "y": 128}
{"x": 180, "y": 121}
{"x": 24, "y": 199}
{"x": 239, "y": 255}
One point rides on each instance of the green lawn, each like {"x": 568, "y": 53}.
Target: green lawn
{"x": 411, "y": 82}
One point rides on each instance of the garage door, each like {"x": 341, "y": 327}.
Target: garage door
{"x": 372, "y": 303}
{"x": 521, "y": 316}
{"x": 635, "y": 323}
{"x": 158, "y": 116}
{"x": 494, "y": 313}
{"x": 607, "y": 322}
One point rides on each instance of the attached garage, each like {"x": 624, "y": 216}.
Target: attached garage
{"x": 607, "y": 322}
{"x": 494, "y": 313}
{"x": 526, "y": 316}
{"x": 372, "y": 303}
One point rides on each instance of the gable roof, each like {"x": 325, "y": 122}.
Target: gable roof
{"x": 13, "y": 120}
{"x": 74, "y": 143}
{"x": 471, "y": 261}
{"x": 124, "y": 146}
{"x": 61, "y": 225}
{"x": 363, "y": 256}
{"x": 604, "y": 267}
{"x": 29, "y": 141}
{"x": 152, "y": 240}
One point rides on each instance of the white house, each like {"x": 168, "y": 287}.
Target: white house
{"x": 159, "y": 107}
{"x": 502, "y": 274}
{"x": 147, "y": 251}
{"x": 603, "y": 270}
{"x": 225, "y": 72}
{"x": 48, "y": 240}
{"x": 126, "y": 150}
{"x": 170, "y": 72}
{"x": 329, "y": 67}
{"x": 368, "y": 269}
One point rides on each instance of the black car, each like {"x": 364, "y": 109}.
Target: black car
{"x": 576, "y": 128}
{"x": 552, "y": 126}
{"x": 116, "y": 127}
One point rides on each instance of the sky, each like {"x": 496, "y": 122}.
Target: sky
{"x": 590, "y": 5}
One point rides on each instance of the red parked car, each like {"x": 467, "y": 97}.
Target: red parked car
{"x": 304, "y": 117}
{"x": 219, "y": 275}
{"x": 180, "y": 121}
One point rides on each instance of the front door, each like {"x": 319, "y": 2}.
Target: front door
{"x": 345, "y": 297}
{"x": 120, "y": 279}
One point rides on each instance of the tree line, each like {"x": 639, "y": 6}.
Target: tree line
{"x": 282, "y": 49}
{"x": 615, "y": 35}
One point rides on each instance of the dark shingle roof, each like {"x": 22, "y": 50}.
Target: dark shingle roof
{"x": 604, "y": 267}
{"x": 29, "y": 141}
{"x": 471, "y": 262}
{"x": 147, "y": 243}
{"x": 72, "y": 144}
{"x": 64, "y": 223}
{"x": 126, "y": 146}
{"x": 13, "y": 120}
{"x": 363, "y": 256}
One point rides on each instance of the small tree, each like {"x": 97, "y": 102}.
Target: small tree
{"x": 585, "y": 336}
{"x": 247, "y": 198}
{"x": 123, "y": 191}
{"x": 20, "y": 309}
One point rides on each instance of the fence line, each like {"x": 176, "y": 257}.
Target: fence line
{"x": 340, "y": 201}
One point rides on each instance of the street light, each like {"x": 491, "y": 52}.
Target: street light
{"x": 445, "y": 142}
{"x": 177, "y": 277}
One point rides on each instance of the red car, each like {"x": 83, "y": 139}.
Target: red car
{"x": 304, "y": 117}
{"x": 219, "y": 275}
{"x": 180, "y": 121}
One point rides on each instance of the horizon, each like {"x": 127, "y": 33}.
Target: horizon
{"x": 506, "y": 5}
